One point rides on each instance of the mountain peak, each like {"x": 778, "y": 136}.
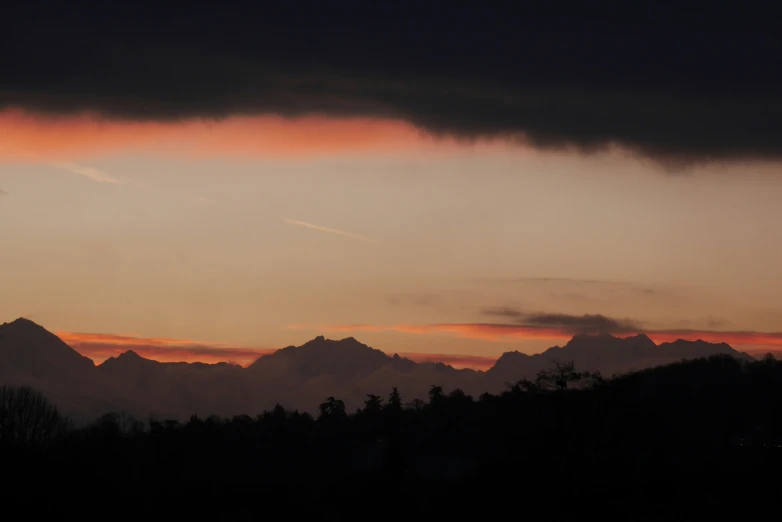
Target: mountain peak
{"x": 130, "y": 354}
{"x": 509, "y": 363}
{"x": 128, "y": 358}
{"x": 599, "y": 336}
{"x": 602, "y": 340}
{"x": 511, "y": 356}
{"x": 23, "y": 320}
{"x": 321, "y": 342}
{"x": 25, "y": 344}
{"x": 606, "y": 353}
{"x": 320, "y": 356}
{"x": 701, "y": 348}
{"x": 23, "y": 323}
{"x": 22, "y": 328}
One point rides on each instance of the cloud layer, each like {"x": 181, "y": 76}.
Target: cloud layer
{"x": 499, "y": 332}
{"x": 574, "y": 324}
{"x": 676, "y": 85}
{"x": 100, "y": 347}
{"x": 31, "y": 137}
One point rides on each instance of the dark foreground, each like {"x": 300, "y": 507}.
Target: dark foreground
{"x": 699, "y": 438}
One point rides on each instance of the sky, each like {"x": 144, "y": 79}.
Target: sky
{"x": 206, "y": 195}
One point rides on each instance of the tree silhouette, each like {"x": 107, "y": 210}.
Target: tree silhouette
{"x": 417, "y": 405}
{"x": 332, "y": 408}
{"x": 691, "y": 425}
{"x": 436, "y": 394}
{"x": 459, "y": 396}
{"x": 27, "y": 417}
{"x": 373, "y": 404}
{"x": 395, "y": 400}
{"x": 558, "y": 377}
{"x": 119, "y": 424}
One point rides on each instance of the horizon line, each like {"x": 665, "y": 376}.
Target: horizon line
{"x": 94, "y": 346}
{"x": 99, "y": 347}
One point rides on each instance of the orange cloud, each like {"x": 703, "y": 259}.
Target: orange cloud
{"x": 29, "y": 137}
{"x": 100, "y": 347}
{"x": 482, "y": 331}
{"x": 121, "y": 340}
{"x": 509, "y": 333}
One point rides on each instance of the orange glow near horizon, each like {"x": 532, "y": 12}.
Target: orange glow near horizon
{"x": 100, "y": 347}
{"x": 484, "y": 332}
{"x": 512, "y": 333}
{"x": 123, "y": 340}
{"x": 740, "y": 338}
{"x": 29, "y": 137}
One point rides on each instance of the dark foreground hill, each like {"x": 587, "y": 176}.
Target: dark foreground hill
{"x": 299, "y": 377}
{"x": 691, "y": 439}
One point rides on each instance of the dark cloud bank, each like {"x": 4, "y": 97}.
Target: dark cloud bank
{"x": 573, "y": 324}
{"x": 674, "y": 81}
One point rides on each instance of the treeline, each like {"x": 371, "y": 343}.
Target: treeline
{"x": 698, "y": 429}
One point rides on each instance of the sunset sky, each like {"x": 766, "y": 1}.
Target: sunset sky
{"x": 220, "y": 232}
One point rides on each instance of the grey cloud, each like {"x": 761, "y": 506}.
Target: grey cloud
{"x": 693, "y": 86}
{"x": 587, "y": 323}
{"x": 506, "y": 312}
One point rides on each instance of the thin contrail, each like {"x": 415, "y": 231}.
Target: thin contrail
{"x": 329, "y": 230}
{"x": 100, "y": 176}
{"x": 89, "y": 172}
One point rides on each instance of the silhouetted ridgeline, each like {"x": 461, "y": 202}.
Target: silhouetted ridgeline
{"x": 298, "y": 377}
{"x": 696, "y": 437}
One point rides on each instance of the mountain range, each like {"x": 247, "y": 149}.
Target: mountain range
{"x": 298, "y": 377}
